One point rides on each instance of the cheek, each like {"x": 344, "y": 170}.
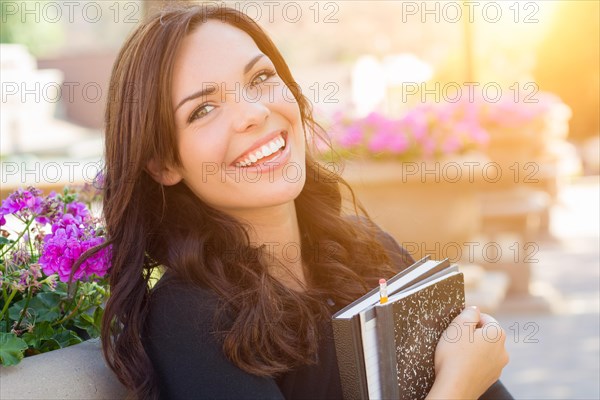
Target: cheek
{"x": 282, "y": 100}
{"x": 287, "y": 107}
{"x": 197, "y": 151}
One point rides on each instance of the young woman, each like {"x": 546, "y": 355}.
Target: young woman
{"x": 209, "y": 177}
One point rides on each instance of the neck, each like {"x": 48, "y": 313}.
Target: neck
{"x": 277, "y": 229}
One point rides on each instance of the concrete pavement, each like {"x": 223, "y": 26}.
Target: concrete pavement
{"x": 556, "y": 355}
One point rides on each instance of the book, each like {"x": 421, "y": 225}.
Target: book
{"x": 387, "y": 350}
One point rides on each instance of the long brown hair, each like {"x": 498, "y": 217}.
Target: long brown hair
{"x": 149, "y": 225}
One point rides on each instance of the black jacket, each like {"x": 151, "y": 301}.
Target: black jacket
{"x": 190, "y": 363}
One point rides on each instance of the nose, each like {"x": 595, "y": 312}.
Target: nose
{"x": 250, "y": 114}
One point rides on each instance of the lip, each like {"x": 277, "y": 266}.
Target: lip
{"x": 259, "y": 143}
{"x": 273, "y": 164}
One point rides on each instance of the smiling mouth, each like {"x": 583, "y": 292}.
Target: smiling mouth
{"x": 264, "y": 153}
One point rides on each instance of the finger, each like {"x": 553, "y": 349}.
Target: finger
{"x": 486, "y": 319}
{"x": 489, "y": 324}
{"x": 469, "y": 315}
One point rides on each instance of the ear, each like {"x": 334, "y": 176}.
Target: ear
{"x": 164, "y": 175}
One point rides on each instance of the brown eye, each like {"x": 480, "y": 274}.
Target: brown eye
{"x": 201, "y": 112}
{"x": 262, "y": 76}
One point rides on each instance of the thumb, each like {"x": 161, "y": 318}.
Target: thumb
{"x": 471, "y": 315}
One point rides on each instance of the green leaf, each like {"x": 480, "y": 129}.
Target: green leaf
{"x": 14, "y": 311}
{"x": 91, "y": 323}
{"x": 11, "y": 348}
{"x": 61, "y": 289}
{"x": 88, "y": 318}
{"x": 67, "y": 338}
{"x": 31, "y": 339}
{"x": 4, "y": 241}
{"x": 42, "y": 331}
{"x": 98, "y": 314}
{"x": 49, "y": 345}
{"x": 49, "y": 299}
{"x": 43, "y": 307}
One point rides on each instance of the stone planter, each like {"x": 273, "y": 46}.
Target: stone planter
{"x": 75, "y": 372}
{"x": 429, "y": 207}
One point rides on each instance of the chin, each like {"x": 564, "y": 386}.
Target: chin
{"x": 283, "y": 192}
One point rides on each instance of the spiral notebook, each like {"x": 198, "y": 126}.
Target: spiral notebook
{"x": 386, "y": 350}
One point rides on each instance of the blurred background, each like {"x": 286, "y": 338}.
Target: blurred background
{"x": 469, "y": 130}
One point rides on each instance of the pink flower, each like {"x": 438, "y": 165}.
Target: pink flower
{"x": 451, "y": 144}
{"x": 416, "y": 122}
{"x": 51, "y": 209}
{"x": 23, "y": 203}
{"x": 479, "y": 135}
{"x": 79, "y": 211}
{"x": 351, "y": 137}
{"x": 398, "y": 143}
{"x": 435, "y": 129}
{"x": 428, "y": 147}
{"x": 378, "y": 142}
{"x": 71, "y": 237}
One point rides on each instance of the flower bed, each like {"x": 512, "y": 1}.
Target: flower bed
{"x": 443, "y": 130}
{"x": 48, "y": 301}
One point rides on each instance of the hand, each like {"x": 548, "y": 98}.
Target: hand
{"x": 469, "y": 356}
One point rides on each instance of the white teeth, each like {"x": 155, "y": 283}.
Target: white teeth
{"x": 265, "y": 151}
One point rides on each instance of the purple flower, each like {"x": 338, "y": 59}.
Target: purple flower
{"x": 79, "y": 211}
{"x": 436, "y": 129}
{"x": 28, "y": 203}
{"x": 398, "y": 143}
{"x": 72, "y": 236}
{"x": 378, "y": 142}
{"x": 351, "y": 137}
{"x": 416, "y": 122}
{"x": 23, "y": 203}
{"x": 99, "y": 181}
{"x": 29, "y": 277}
{"x": 91, "y": 192}
{"x": 20, "y": 256}
{"x": 52, "y": 208}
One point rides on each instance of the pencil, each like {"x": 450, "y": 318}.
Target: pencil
{"x": 383, "y": 297}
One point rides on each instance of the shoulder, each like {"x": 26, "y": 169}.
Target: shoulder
{"x": 172, "y": 289}
{"x": 398, "y": 255}
{"x": 183, "y": 344}
{"x": 174, "y": 303}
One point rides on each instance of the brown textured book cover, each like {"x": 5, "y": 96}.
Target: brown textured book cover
{"x": 365, "y": 332}
{"x": 418, "y": 321}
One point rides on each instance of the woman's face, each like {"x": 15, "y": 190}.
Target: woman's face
{"x": 239, "y": 129}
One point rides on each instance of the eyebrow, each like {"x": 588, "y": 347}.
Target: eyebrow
{"x": 213, "y": 88}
